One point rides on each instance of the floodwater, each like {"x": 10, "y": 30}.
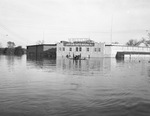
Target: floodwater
{"x": 63, "y": 87}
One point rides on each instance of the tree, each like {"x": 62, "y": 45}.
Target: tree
{"x": 10, "y": 44}
{"x": 132, "y": 42}
{"x": 39, "y": 42}
{"x": 146, "y": 40}
{"x": 19, "y": 50}
{"x": 115, "y": 42}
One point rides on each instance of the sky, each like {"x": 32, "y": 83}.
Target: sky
{"x": 27, "y": 21}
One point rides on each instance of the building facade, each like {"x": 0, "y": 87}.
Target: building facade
{"x": 47, "y": 50}
{"x": 135, "y": 51}
{"x": 89, "y": 48}
{"x": 85, "y": 48}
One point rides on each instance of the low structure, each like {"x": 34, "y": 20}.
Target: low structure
{"x": 114, "y": 50}
{"x": 43, "y": 50}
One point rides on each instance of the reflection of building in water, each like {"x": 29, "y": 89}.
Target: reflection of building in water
{"x": 47, "y": 50}
{"x": 85, "y": 67}
{"x": 41, "y": 63}
{"x": 93, "y": 66}
{"x": 85, "y": 48}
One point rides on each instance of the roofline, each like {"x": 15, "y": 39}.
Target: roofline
{"x": 127, "y": 46}
{"x": 42, "y": 45}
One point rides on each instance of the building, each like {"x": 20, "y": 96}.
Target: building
{"x": 111, "y": 50}
{"x": 83, "y": 47}
{"x": 42, "y": 50}
{"x": 88, "y": 48}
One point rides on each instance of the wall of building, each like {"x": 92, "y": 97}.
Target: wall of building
{"x": 107, "y": 51}
{"x": 35, "y": 50}
{"x": 86, "y": 51}
{"x": 95, "y": 50}
{"x": 46, "y": 47}
{"x": 49, "y": 51}
{"x": 46, "y": 50}
{"x": 31, "y": 50}
{"x": 111, "y": 51}
{"x": 40, "y": 50}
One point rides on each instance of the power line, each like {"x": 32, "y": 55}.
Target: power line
{"x": 12, "y": 33}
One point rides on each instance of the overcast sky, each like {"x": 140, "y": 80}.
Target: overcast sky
{"x": 27, "y": 21}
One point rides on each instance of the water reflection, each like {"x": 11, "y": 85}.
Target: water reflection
{"x": 93, "y": 66}
{"x": 41, "y": 63}
{"x": 10, "y": 61}
{"x": 80, "y": 66}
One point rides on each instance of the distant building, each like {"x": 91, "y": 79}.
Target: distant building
{"x": 43, "y": 50}
{"x": 89, "y": 48}
{"x": 111, "y": 50}
{"x": 84, "y": 48}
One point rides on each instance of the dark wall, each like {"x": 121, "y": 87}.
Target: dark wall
{"x": 38, "y": 51}
{"x": 31, "y": 50}
{"x": 50, "y": 53}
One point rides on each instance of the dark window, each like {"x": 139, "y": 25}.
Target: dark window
{"x": 87, "y": 49}
{"x": 80, "y": 49}
{"x": 95, "y": 49}
{"x": 76, "y": 48}
{"x": 63, "y": 49}
{"x": 99, "y": 49}
{"x": 70, "y": 49}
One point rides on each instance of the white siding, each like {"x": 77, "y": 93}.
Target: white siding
{"x": 83, "y": 52}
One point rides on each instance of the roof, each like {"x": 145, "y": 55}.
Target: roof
{"x": 119, "y": 45}
{"x": 42, "y": 45}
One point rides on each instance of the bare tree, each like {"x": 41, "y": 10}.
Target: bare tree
{"x": 132, "y": 42}
{"x": 146, "y": 40}
{"x": 39, "y": 42}
{"x": 10, "y": 44}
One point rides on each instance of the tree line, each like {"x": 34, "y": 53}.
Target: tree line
{"x": 135, "y": 42}
{"x": 12, "y": 50}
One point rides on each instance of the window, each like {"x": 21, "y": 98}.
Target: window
{"x": 80, "y": 49}
{"x": 63, "y": 49}
{"x": 95, "y": 49}
{"x": 99, "y": 49}
{"x": 87, "y": 49}
{"x": 70, "y": 49}
{"x": 76, "y": 48}
{"x": 59, "y": 49}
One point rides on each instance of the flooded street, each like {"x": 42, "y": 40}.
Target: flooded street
{"x": 63, "y": 87}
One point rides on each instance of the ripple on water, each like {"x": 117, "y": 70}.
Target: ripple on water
{"x": 99, "y": 87}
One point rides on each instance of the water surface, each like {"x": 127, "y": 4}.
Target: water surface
{"x": 63, "y": 87}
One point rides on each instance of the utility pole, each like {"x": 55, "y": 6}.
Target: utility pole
{"x": 43, "y": 38}
{"x": 111, "y": 29}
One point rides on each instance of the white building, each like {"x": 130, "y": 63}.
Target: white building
{"x": 85, "y": 48}
{"x": 112, "y": 50}
{"x": 89, "y": 48}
